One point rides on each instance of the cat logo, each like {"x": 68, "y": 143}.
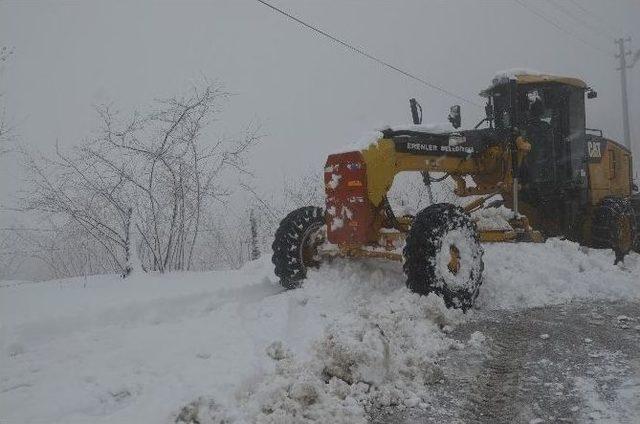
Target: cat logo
{"x": 594, "y": 150}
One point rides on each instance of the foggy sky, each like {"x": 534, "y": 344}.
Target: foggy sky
{"x": 310, "y": 95}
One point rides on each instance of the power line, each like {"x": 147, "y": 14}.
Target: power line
{"x": 594, "y": 16}
{"x": 561, "y": 28}
{"x": 581, "y": 7}
{"x": 578, "y": 19}
{"x": 367, "y": 55}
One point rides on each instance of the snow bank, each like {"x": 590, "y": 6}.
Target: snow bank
{"x": 558, "y": 271}
{"x": 233, "y": 346}
{"x": 378, "y": 347}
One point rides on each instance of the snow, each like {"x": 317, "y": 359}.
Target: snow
{"x": 362, "y": 142}
{"x": 336, "y": 223}
{"x": 513, "y": 73}
{"x": 477, "y": 339}
{"x": 558, "y": 271}
{"x": 597, "y": 407}
{"x": 493, "y": 218}
{"x": 233, "y": 345}
{"x": 470, "y": 259}
{"x": 367, "y": 139}
{"x": 335, "y": 181}
{"x": 503, "y": 76}
{"x": 433, "y": 128}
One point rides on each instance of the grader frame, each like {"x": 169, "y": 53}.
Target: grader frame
{"x": 535, "y": 154}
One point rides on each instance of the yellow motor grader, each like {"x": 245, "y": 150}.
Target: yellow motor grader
{"x": 534, "y": 154}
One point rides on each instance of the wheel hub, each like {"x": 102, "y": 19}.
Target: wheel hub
{"x": 311, "y": 239}
{"x": 454, "y": 260}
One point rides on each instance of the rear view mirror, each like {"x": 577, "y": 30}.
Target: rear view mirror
{"x": 455, "y": 116}
{"x": 592, "y": 94}
{"x": 416, "y": 111}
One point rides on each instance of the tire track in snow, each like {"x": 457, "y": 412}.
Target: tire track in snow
{"x": 572, "y": 363}
{"x": 140, "y": 312}
{"x": 494, "y": 396}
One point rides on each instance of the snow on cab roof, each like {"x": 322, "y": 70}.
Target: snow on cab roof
{"x": 528, "y": 76}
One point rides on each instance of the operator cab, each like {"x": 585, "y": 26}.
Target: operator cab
{"x": 550, "y": 112}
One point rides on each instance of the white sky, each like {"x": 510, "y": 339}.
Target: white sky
{"x": 311, "y": 95}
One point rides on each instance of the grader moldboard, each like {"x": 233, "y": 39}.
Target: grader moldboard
{"x": 534, "y": 155}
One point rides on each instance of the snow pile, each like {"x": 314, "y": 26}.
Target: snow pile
{"x": 383, "y": 352}
{"x": 535, "y": 274}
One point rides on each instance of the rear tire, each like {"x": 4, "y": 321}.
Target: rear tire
{"x": 295, "y": 245}
{"x": 615, "y": 227}
{"x": 443, "y": 255}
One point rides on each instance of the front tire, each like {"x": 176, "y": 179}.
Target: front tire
{"x": 614, "y": 226}
{"x": 443, "y": 255}
{"x": 295, "y": 245}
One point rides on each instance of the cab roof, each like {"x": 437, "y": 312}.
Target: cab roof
{"x": 523, "y": 77}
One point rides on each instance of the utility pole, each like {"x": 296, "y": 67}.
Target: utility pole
{"x": 622, "y": 56}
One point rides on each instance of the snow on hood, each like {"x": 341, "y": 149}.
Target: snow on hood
{"x": 362, "y": 142}
{"x": 371, "y": 137}
{"x": 433, "y": 128}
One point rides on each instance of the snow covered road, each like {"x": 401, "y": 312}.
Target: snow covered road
{"x": 232, "y": 345}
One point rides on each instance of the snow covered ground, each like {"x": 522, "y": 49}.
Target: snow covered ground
{"x": 232, "y": 345}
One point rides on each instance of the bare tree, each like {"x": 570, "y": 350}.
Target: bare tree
{"x": 150, "y": 173}
{"x": 64, "y": 251}
{"x": 90, "y": 201}
{"x": 255, "y": 244}
{"x": 225, "y": 241}
{"x": 270, "y": 208}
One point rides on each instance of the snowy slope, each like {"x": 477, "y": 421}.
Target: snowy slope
{"x": 232, "y": 344}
